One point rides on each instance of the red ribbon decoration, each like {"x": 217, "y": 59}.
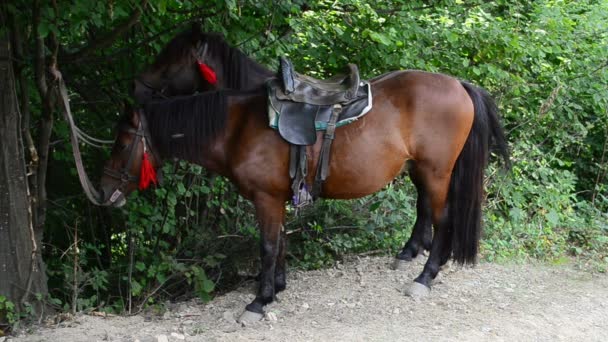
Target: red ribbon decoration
{"x": 147, "y": 175}
{"x": 207, "y": 72}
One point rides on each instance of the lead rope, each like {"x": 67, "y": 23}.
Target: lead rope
{"x": 87, "y": 186}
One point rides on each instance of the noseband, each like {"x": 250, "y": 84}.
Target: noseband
{"x": 141, "y": 134}
{"x": 156, "y": 92}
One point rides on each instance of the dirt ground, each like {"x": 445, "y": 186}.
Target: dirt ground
{"x": 363, "y": 300}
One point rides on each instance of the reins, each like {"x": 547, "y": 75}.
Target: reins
{"x": 124, "y": 176}
{"x": 75, "y": 132}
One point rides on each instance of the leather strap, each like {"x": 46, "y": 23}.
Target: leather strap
{"x": 87, "y": 186}
{"x": 323, "y": 164}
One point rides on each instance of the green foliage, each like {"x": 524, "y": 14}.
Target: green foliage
{"x": 168, "y": 238}
{"x": 8, "y": 312}
{"x": 376, "y": 224}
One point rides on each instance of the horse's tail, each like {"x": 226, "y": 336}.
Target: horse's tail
{"x": 465, "y": 195}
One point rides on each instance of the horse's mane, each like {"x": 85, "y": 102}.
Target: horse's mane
{"x": 177, "y": 48}
{"x": 183, "y": 126}
{"x": 236, "y": 65}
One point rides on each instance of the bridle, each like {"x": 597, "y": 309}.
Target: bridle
{"x": 124, "y": 176}
{"x": 159, "y": 92}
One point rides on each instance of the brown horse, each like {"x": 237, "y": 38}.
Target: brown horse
{"x": 441, "y": 127}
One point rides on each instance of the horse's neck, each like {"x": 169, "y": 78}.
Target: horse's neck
{"x": 245, "y": 113}
{"x": 248, "y": 75}
{"x": 258, "y": 75}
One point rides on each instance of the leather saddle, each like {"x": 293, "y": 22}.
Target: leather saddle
{"x": 301, "y": 88}
{"x": 299, "y": 105}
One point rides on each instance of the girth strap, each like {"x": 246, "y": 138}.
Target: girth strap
{"x": 323, "y": 163}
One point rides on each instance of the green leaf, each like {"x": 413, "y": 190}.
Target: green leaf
{"x": 380, "y": 38}
{"x": 44, "y": 29}
{"x": 136, "y": 287}
{"x": 552, "y": 218}
{"x": 375, "y": 206}
{"x": 140, "y": 266}
{"x": 207, "y": 285}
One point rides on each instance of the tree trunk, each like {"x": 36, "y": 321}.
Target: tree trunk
{"x": 22, "y": 272}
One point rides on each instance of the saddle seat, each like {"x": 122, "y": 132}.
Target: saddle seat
{"x": 300, "y": 105}
{"x": 340, "y": 88}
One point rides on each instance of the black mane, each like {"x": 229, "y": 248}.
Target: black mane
{"x": 183, "y": 127}
{"x": 175, "y": 51}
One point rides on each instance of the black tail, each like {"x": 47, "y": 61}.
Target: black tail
{"x": 466, "y": 186}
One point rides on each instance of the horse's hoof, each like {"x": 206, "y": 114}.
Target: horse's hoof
{"x": 249, "y": 317}
{"x": 400, "y": 265}
{"x": 417, "y": 290}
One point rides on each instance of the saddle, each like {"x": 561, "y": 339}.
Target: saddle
{"x": 301, "y": 105}
{"x": 301, "y": 88}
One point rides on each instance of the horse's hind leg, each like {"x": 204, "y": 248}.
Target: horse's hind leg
{"x": 437, "y": 187}
{"x": 422, "y": 233}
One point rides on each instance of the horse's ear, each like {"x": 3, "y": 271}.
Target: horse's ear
{"x": 134, "y": 115}
{"x": 127, "y": 108}
{"x": 196, "y": 33}
{"x": 130, "y": 112}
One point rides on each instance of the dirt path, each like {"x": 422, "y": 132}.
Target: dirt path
{"x": 363, "y": 301}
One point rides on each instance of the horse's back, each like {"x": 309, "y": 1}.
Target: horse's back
{"x": 433, "y": 107}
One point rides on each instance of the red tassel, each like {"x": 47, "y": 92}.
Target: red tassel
{"x": 148, "y": 175}
{"x": 208, "y": 73}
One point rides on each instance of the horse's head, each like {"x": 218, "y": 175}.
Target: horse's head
{"x": 132, "y": 161}
{"x": 186, "y": 65}
{"x": 190, "y": 61}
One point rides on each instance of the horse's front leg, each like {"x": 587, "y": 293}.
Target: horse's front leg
{"x": 270, "y": 213}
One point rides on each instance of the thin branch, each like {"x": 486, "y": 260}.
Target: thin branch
{"x": 130, "y": 271}
{"x": 109, "y": 38}
{"x": 600, "y": 174}
{"x": 75, "y": 289}
{"x": 39, "y": 54}
{"x": 109, "y": 57}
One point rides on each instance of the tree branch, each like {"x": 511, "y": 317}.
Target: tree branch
{"x": 24, "y": 102}
{"x": 39, "y": 52}
{"x": 109, "y": 38}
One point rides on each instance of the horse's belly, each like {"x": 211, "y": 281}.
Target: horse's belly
{"x": 363, "y": 167}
